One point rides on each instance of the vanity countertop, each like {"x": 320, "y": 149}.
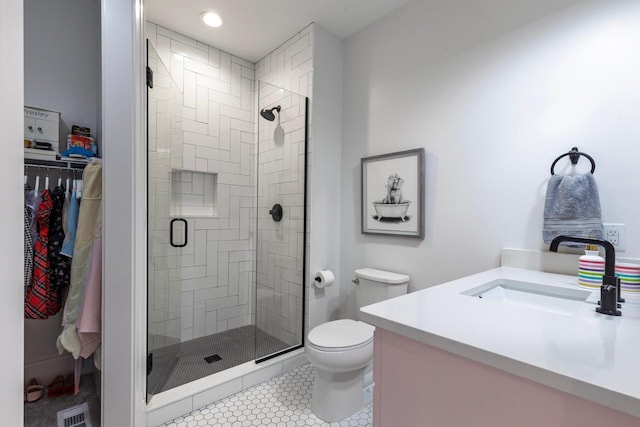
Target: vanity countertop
{"x": 587, "y": 354}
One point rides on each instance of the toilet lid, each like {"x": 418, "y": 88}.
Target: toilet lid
{"x": 341, "y": 333}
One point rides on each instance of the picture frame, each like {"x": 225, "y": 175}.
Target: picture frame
{"x": 392, "y": 190}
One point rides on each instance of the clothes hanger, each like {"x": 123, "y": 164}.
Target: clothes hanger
{"x": 79, "y": 190}
{"x": 46, "y": 180}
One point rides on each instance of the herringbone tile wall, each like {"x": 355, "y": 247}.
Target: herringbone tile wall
{"x": 289, "y": 67}
{"x": 205, "y": 287}
{"x": 203, "y": 167}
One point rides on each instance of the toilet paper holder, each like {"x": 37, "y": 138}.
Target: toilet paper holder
{"x": 323, "y": 278}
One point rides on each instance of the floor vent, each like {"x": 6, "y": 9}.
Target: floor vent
{"x": 76, "y": 416}
{"x": 214, "y": 358}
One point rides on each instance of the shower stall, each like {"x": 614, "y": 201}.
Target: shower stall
{"x": 226, "y": 223}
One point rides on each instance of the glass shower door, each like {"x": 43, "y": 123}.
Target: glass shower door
{"x": 166, "y": 236}
{"x": 281, "y": 218}
{"x": 226, "y": 223}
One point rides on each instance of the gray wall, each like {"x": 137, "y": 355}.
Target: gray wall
{"x": 325, "y": 180}
{"x": 62, "y": 60}
{"x": 494, "y": 95}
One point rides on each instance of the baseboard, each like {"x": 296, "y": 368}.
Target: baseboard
{"x": 46, "y": 370}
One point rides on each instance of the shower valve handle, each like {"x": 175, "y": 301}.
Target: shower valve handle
{"x": 276, "y": 212}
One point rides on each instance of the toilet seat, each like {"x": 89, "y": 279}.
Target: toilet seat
{"x": 341, "y": 335}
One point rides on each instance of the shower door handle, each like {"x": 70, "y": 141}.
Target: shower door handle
{"x": 172, "y": 234}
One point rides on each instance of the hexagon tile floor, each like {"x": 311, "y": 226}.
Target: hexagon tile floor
{"x": 283, "y": 401}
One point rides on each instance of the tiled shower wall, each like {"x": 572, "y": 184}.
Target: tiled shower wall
{"x": 207, "y": 287}
{"x": 281, "y": 180}
{"x": 280, "y": 251}
{"x": 290, "y": 66}
{"x": 164, "y": 118}
{"x": 207, "y": 284}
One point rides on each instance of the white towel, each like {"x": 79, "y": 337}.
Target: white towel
{"x": 572, "y": 208}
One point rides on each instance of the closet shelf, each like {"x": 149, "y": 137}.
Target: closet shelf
{"x": 65, "y": 163}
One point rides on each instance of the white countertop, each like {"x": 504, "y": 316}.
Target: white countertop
{"x": 587, "y": 354}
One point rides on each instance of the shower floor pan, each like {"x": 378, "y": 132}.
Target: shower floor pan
{"x": 208, "y": 355}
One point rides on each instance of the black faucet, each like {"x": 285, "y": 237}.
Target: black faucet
{"x": 610, "y": 289}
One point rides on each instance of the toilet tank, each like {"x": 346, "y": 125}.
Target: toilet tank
{"x": 378, "y": 285}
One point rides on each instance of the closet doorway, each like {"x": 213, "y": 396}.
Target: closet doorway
{"x": 62, "y": 62}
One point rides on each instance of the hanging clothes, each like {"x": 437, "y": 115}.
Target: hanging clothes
{"x": 65, "y": 211}
{"x": 86, "y": 268}
{"x": 90, "y": 313}
{"x": 28, "y": 240}
{"x": 70, "y": 234}
{"x": 32, "y": 200}
{"x": 59, "y": 266}
{"x": 37, "y": 296}
{"x": 28, "y": 250}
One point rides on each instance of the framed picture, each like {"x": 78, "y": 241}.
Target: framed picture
{"x": 393, "y": 194}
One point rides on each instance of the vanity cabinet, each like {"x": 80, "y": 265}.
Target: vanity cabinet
{"x": 419, "y": 385}
{"x": 444, "y": 357}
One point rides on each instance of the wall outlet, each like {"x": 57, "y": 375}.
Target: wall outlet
{"x": 617, "y": 235}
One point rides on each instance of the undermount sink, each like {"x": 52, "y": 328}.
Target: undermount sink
{"x": 532, "y": 295}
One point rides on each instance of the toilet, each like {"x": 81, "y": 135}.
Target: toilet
{"x": 341, "y": 350}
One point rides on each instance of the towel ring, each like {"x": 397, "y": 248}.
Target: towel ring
{"x": 574, "y": 156}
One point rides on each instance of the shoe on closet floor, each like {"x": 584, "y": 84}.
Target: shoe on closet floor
{"x": 70, "y": 384}
{"x": 57, "y": 387}
{"x": 33, "y": 392}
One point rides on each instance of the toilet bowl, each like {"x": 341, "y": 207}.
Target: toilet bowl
{"x": 341, "y": 350}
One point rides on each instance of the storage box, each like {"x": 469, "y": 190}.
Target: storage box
{"x": 43, "y": 126}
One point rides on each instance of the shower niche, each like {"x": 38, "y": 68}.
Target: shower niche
{"x": 225, "y": 281}
{"x": 193, "y": 194}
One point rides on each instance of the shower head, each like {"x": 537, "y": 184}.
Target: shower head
{"x": 268, "y": 114}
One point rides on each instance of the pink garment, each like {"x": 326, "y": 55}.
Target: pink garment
{"x": 90, "y": 315}
{"x": 88, "y": 231}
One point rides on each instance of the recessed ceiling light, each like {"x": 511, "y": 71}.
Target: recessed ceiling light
{"x": 211, "y": 19}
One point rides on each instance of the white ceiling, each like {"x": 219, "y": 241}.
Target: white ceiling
{"x": 254, "y": 28}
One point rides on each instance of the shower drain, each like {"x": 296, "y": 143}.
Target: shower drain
{"x": 213, "y": 358}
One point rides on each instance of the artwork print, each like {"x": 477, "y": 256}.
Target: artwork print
{"x": 392, "y": 194}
